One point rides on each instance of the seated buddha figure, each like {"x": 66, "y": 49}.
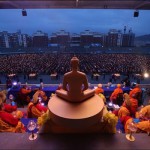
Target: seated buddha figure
{"x": 75, "y": 85}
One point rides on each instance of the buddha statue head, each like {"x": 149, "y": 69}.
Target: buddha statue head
{"x": 74, "y": 63}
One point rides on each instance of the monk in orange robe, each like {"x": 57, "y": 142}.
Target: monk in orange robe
{"x": 9, "y": 108}
{"x": 129, "y": 107}
{"x": 142, "y": 126}
{"x": 25, "y": 90}
{"x": 23, "y": 96}
{"x": 8, "y": 118}
{"x": 115, "y": 93}
{"x": 9, "y": 122}
{"x": 137, "y": 94}
{"x": 134, "y": 91}
{"x": 144, "y": 113}
{"x": 99, "y": 89}
{"x": 36, "y": 108}
{"x": 35, "y": 111}
{"x": 133, "y": 106}
{"x": 40, "y": 93}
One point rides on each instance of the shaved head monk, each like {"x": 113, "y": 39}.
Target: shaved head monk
{"x": 75, "y": 84}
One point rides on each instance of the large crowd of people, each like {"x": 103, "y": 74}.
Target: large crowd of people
{"x": 48, "y": 63}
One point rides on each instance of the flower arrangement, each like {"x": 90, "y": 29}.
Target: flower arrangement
{"x": 43, "y": 118}
{"x": 111, "y": 121}
{"x": 102, "y": 96}
{"x": 111, "y": 118}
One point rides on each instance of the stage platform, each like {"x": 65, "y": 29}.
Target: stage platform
{"x": 116, "y": 141}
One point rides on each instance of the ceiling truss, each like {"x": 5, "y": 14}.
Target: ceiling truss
{"x": 75, "y": 4}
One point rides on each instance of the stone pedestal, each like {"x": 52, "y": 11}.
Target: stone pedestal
{"x": 67, "y": 117}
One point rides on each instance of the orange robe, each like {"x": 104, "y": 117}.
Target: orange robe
{"x": 145, "y": 112}
{"x": 115, "y": 93}
{"x": 125, "y": 120}
{"x": 134, "y": 91}
{"x": 25, "y": 91}
{"x": 35, "y": 111}
{"x": 8, "y": 118}
{"x": 8, "y": 123}
{"x": 133, "y": 106}
{"x": 41, "y": 107}
{"x": 40, "y": 93}
{"x": 142, "y": 126}
{"x": 129, "y": 108}
{"x": 9, "y": 108}
{"x": 99, "y": 90}
{"x": 24, "y": 94}
{"x": 123, "y": 111}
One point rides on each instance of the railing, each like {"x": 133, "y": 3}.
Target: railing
{"x": 3, "y": 86}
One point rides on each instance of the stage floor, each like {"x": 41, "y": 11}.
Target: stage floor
{"x": 116, "y": 141}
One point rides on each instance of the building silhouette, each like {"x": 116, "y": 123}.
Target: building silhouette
{"x": 64, "y": 40}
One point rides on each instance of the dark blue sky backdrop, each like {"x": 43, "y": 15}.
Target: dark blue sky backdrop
{"x": 74, "y": 20}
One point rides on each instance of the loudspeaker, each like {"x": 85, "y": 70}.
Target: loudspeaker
{"x": 136, "y": 14}
{"x": 24, "y": 13}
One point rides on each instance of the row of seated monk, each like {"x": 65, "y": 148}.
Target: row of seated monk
{"x": 116, "y": 97}
{"x": 10, "y": 115}
{"x": 74, "y": 94}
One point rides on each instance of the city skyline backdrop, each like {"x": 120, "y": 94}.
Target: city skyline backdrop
{"x": 74, "y": 20}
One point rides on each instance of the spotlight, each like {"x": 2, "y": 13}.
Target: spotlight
{"x": 110, "y": 104}
{"x": 146, "y": 75}
{"x": 24, "y": 13}
{"x": 14, "y": 83}
{"x": 136, "y": 13}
